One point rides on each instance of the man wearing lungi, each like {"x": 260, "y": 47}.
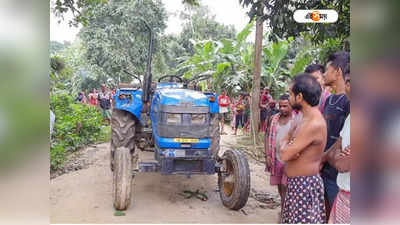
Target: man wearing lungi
{"x": 302, "y": 150}
{"x": 278, "y": 127}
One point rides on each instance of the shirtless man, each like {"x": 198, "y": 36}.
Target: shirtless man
{"x": 302, "y": 151}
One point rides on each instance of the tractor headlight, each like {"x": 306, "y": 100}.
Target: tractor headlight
{"x": 174, "y": 118}
{"x": 198, "y": 118}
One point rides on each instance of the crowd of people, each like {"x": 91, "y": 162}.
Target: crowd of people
{"x": 307, "y": 141}
{"x": 239, "y": 110}
{"x": 101, "y": 100}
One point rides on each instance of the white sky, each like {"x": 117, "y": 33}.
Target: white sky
{"x": 227, "y": 12}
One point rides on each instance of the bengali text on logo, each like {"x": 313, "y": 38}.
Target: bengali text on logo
{"x": 315, "y": 16}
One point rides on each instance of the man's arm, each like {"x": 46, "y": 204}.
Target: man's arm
{"x": 330, "y": 153}
{"x": 289, "y": 135}
{"x": 303, "y": 139}
{"x": 268, "y": 152}
{"x": 341, "y": 160}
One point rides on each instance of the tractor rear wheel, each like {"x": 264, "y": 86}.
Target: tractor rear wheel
{"x": 215, "y": 135}
{"x": 122, "y": 150}
{"x": 122, "y": 132}
{"x": 234, "y": 180}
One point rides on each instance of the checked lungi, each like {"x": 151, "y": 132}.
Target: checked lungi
{"x": 340, "y": 213}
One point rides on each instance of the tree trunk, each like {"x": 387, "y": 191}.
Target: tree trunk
{"x": 255, "y": 95}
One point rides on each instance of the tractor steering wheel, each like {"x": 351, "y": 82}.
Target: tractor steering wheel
{"x": 171, "y": 78}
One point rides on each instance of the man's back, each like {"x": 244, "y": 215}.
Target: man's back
{"x": 104, "y": 98}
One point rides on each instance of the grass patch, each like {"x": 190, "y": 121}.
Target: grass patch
{"x": 119, "y": 213}
{"x": 105, "y": 134}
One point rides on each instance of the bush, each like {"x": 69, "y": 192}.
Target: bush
{"x": 76, "y": 125}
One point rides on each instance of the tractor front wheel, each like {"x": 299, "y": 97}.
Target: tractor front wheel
{"x": 234, "y": 180}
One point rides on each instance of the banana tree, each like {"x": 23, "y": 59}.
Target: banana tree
{"x": 279, "y": 67}
{"x": 229, "y": 61}
{"x": 274, "y": 64}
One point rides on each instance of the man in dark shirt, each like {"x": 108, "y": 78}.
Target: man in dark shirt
{"x": 104, "y": 98}
{"x": 337, "y": 108}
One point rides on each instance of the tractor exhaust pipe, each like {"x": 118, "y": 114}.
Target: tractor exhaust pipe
{"x": 148, "y": 76}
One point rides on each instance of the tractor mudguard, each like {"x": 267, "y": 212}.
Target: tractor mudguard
{"x": 129, "y": 100}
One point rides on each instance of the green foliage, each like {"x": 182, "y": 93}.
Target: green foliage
{"x": 191, "y": 2}
{"x": 80, "y": 9}
{"x": 200, "y": 24}
{"x": 60, "y": 74}
{"x": 57, "y": 157}
{"x": 303, "y": 53}
{"x": 105, "y": 134}
{"x": 273, "y": 66}
{"x": 55, "y": 47}
{"x": 279, "y": 17}
{"x": 229, "y": 61}
{"x": 303, "y": 59}
{"x": 70, "y": 71}
{"x": 76, "y": 125}
{"x": 119, "y": 213}
{"x": 117, "y": 39}
{"x": 328, "y": 47}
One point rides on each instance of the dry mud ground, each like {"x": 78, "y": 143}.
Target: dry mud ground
{"x": 84, "y": 195}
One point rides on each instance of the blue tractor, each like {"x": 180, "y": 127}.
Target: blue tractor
{"x": 181, "y": 126}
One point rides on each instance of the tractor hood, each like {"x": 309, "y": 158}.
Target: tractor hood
{"x": 178, "y": 97}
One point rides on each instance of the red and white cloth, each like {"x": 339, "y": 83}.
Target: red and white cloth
{"x": 340, "y": 212}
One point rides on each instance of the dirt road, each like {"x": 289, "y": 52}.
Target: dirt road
{"x": 84, "y": 196}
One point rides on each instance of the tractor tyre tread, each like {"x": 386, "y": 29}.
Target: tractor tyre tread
{"x": 241, "y": 191}
{"x": 122, "y": 178}
{"x": 215, "y": 135}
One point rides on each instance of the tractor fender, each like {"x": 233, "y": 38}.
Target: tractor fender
{"x": 132, "y": 102}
